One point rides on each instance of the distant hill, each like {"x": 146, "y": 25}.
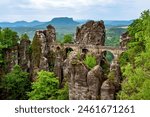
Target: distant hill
{"x": 63, "y": 21}
{"x": 112, "y": 23}
{"x": 20, "y": 24}
{"x": 63, "y": 25}
{"x": 60, "y": 21}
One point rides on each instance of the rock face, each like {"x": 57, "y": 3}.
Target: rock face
{"x": 91, "y": 33}
{"x": 124, "y": 39}
{"x": 108, "y": 90}
{"x": 11, "y": 57}
{"x": 95, "y": 80}
{"x": 84, "y": 84}
{"x": 116, "y": 70}
{"x": 24, "y": 55}
{"x": 40, "y": 50}
{"x": 76, "y": 72}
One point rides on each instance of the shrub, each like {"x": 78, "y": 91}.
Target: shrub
{"x": 90, "y": 61}
{"x": 16, "y": 84}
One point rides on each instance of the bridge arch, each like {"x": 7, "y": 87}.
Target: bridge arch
{"x": 108, "y": 55}
{"x": 68, "y": 50}
{"x": 58, "y": 48}
{"x": 85, "y": 50}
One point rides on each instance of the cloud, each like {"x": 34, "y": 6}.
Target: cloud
{"x": 44, "y": 4}
{"x": 78, "y": 9}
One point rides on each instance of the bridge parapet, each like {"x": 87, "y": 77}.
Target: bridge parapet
{"x": 91, "y": 48}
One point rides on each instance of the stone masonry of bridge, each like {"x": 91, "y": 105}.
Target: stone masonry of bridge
{"x": 116, "y": 51}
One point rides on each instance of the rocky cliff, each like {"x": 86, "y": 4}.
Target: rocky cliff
{"x": 95, "y": 83}
{"x": 41, "y": 50}
{"x": 91, "y": 33}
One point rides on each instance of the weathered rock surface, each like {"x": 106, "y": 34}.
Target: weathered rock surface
{"x": 94, "y": 81}
{"x": 91, "y": 33}
{"x": 24, "y": 55}
{"x": 41, "y": 49}
{"x": 11, "y": 57}
{"x": 76, "y": 72}
{"x": 108, "y": 90}
{"x": 124, "y": 39}
{"x": 116, "y": 70}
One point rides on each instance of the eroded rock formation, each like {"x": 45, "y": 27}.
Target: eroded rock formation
{"x": 40, "y": 50}
{"x": 11, "y": 57}
{"x": 25, "y": 55}
{"x": 124, "y": 39}
{"x": 91, "y": 33}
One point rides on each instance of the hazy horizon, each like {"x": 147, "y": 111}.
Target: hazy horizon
{"x": 45, "y": 10}
{"x": 61, "y": 17}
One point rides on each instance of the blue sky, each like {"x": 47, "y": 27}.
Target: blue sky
{"x": 45, "y": 10}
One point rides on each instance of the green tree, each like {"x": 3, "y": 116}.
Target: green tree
{"x": 136, "y": 65}
{"x": 90, "y": 61}
{"x": 15, "y": 84}
{"x": 67, "y": 38}
{"x": 63, "y": 94}
{"x": 8, "y": 38}
{"x": 45, "y": 87}
{"x": 24, "y": 36}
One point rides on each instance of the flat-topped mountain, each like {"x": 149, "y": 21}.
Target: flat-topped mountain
{"x": 63, "y": 21}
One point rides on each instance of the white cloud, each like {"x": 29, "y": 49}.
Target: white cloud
{"x": 79, "y": 9}
{"x": 44, "y": 4}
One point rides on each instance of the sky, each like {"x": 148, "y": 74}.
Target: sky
{"x": 45, "y": 10}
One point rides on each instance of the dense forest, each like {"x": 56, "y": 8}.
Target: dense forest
{"x": 135, "y": 61}
{"x": 135, "y": 66}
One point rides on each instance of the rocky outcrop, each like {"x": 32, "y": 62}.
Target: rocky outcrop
{"x": 76, "y": 72}
{"x": 84, "y": 84}
{"x": 11, "y": 57}
{"x": 117, "y": 75}
{"x": 94, "y": 81}
{"x": 108, "y": 90}
{"x": 91, "y": 33}
{"x": 124, "y": 39}
{"x": 58, "y": 65}
{"x": 40, "y": 50}
{"x": 24, "y": 55}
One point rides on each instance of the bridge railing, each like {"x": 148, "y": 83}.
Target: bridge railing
{"x": 89, "y": 46}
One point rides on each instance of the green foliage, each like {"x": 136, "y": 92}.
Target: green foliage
{"x": 111, "y": 76}
{"x": 63, "y": 94}
{"x": 109, "y": 56}
{"x": 8, "y": 38}
{"x": 24, "y": 36}
{"x": 67, "y": 38}
{"x": 47, "y": 87}
{"x": 36, "y": 51}
{"x": 90, "y": 61}
{"x": 135, "y": 61}
{"x": 15, "y": 84}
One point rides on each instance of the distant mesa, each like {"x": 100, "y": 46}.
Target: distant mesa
{"x": 63, "y": 21}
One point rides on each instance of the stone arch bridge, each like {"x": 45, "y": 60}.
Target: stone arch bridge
{"x": 89, "y": 48}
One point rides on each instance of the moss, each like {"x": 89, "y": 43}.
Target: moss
{"x": 90, "y": 61}
{"x": 111, "y": 76}
{"x": 36, "y": 51}
{"x": 74, "y": 62}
